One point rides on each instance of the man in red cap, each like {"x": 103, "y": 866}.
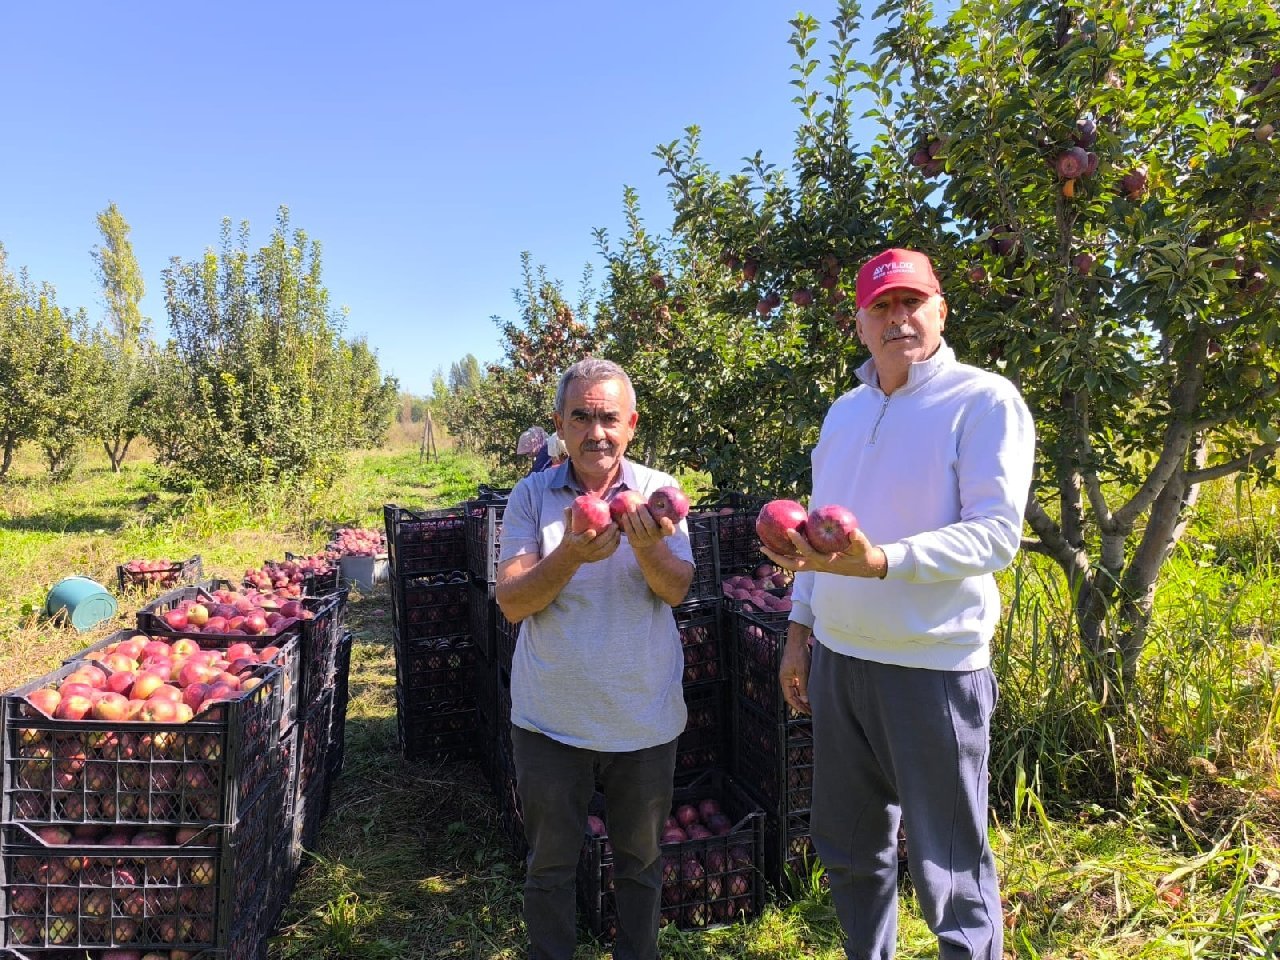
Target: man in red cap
{"x": 889, "y": 641}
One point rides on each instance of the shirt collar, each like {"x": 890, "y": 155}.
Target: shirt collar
{"x": 917, "y": 373}
{"x": 562, "y": 478}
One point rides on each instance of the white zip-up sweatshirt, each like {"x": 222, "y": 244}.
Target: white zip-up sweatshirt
{"x": 937, "y": 474}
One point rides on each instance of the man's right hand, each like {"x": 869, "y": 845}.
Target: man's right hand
{"x": 589, "y": 547}
{"x": 793, "y": 671}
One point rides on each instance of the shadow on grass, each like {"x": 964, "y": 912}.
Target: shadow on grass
{"x": 68, "y": 520}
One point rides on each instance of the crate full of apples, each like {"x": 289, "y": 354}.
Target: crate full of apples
{"x": 220, "y": 615}
{"x": 136, "y": 574}
{"x": 295, "y": 576}
{"x": 125, "y": 890}
{"x": 710, "y": 848}
{"x": 362, "y": 555}
{"x": 91, "y": 744}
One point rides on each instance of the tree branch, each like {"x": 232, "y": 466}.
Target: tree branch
{"x": 1261, "y": 452}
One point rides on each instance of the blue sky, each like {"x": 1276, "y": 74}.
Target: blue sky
{"x": 425, "y": 145}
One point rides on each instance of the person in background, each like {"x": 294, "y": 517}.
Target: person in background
{"x": 596, "y": 680}
{"x": 935, "y": 459}
{"x": 547, "y": 451}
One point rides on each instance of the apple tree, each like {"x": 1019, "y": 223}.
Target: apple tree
{"x": 1097, "y": 184}
{"x": 1104, "y": 178}
{"x": 519, "y": 392}
{"x": 270, "y": 381}
{"x": 44, "y": 383}
{"x": 123, "y": 348}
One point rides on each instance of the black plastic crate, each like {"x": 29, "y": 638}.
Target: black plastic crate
{"x": 706, "y": 557}
{"x": 341, "y": 696}
{"x": 775, "y": 763}
{"x": 705, "y": 882}
{"x": 435, "y": 735}
{"x": 433, "y": 605}
{"x": 313, "y": 743}
{"x": 425, "y": 541}
{"x": 439, "y": 672}
{"x": 510, "y": 812}
{"x": 735, "y": 515}
{"x": 756, "y": 641}
{"x": 320, "y": 638}
{"x": 484, "y": 536}
{"x": 704, "y": 744}
{"x": 789, "y": 858}
{"x": 173, "y": 574}
{"x": 319, "y": 584}
{"x": 481, "y": 606}
{"x": 311, "y": 785}
{"x": 96, "y": 771}
{"x": 700, "y": 639}
{"x": 505, "y": 636}
{"x": 308, "y": 662}
{"x": 171, "y": 892}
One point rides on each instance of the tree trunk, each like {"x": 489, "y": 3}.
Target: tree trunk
{"x": 116, "y": 451}
{"x": 6, "y": 460}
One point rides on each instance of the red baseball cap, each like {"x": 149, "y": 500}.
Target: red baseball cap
{"x": 894, "y": 269}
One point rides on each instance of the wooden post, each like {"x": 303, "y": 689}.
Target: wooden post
{"x": 428, "y": 439}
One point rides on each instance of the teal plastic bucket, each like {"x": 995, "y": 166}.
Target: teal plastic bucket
{"x": 84, "y": 602}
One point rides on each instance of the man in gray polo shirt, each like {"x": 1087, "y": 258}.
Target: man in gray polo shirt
{"x": 596, "y": 679}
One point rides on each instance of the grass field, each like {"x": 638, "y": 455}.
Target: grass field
{"x": 412, "y": 863}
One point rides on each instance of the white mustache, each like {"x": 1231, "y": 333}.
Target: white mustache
{"x": 896, "y": 333}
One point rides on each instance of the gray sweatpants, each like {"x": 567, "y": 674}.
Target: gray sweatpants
{"x": 896, "y": 743}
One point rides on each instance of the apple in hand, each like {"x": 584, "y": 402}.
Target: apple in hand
{"x": 669, "y": 502}
{"x": 624, "y": 502}
{"x": 775, "y": 519}
{"x": 830, "y": 529}
{"x": 589, "y": 512}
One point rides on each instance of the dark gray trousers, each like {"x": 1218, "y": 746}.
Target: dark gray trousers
{"x": 896, "y": 743}
{"x": 555, "y": 783}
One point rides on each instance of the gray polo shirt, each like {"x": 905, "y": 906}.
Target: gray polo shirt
{"x": 601, "y": 667}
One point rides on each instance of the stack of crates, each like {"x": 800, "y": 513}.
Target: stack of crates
{"x": 321, "y": 719}
{"x": 436, "y": 657}
{"x": 495, "y": 637}
{"x": 311, "y": 672}
{"x": 709, "y": 878}
{"x": 130, "y": 835}
{"x": 772, "y": 744}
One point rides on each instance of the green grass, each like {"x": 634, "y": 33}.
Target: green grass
{"x": 1178, "y": 857}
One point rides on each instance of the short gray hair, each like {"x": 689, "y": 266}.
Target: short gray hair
{"x": 593, "y": 370}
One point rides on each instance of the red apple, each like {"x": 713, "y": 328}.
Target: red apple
{"x": 110, "y": 706}
{"x": 175, "y": 618}
{"x": 90, "y": 676}
{"x": 166, "y": 692}
{"x": 669, "y": 502}
{"x": 238, "y": 650}
{"x": 45, "y": 700}
{"x": 775, "y": 519}
{"x": 119, "y": 663}
{"x": 624, "y": 502}
{"x": 73, "y": 707}
{"x": 159, "y": 710}
{"x": 589, "y": 512}
{"x": 145, "y": 685}
{"x": 121, "y": 683}
{"x": 829, "y": 529}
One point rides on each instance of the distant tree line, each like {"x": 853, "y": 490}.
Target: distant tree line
{"x": 256, "y": 384}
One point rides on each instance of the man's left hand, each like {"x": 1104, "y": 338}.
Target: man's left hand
{"x": 642, "y": 530}
{"x": 861, "y": 559}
